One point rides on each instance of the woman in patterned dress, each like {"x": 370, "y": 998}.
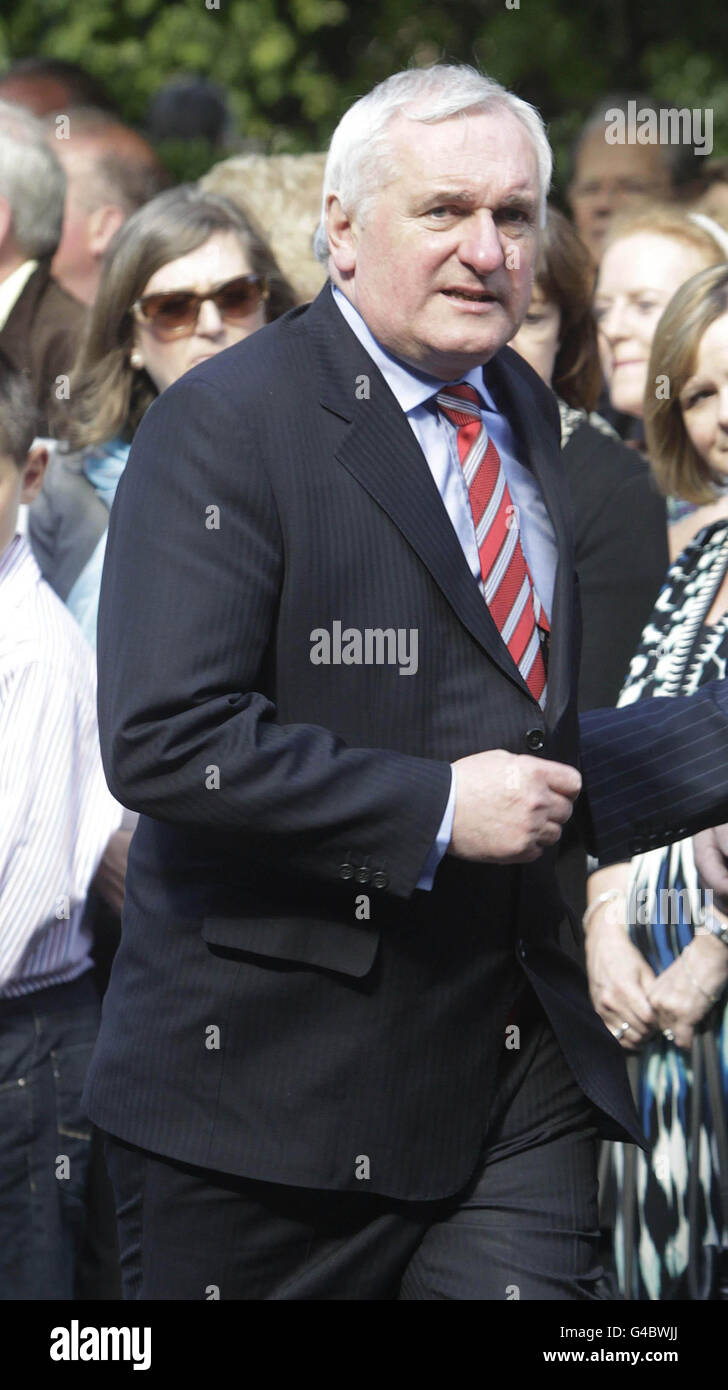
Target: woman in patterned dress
{"x": 656, "y": 974}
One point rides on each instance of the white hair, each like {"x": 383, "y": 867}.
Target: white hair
{"x": 360, "y": 155}
{"x": 31, "y": 180}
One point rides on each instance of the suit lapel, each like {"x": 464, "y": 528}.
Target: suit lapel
{"x": 381, "y": 452}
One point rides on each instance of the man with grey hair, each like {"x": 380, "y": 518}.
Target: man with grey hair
{"x": 40, "y": 323}
{"x": 110, "y": 171}
{"x": 342, "y": 1055}
{"x": 611, "y": 175}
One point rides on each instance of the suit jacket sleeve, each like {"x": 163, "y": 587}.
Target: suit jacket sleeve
{"x": 621, "y": 557}
{"x": 194, "y": 568}
{"x": 654, "y": 772}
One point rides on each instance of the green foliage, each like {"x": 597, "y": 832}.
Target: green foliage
{"x": 187, "y": 160}
{"x": 291, "y": 67}
{"x": 699, "y": 79}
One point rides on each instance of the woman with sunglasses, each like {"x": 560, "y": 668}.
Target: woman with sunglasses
{"x": 185, "y": 277}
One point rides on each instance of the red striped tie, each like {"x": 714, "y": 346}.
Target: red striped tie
{"x": 509, "y": 591}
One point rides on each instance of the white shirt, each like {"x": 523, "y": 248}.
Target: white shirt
{"x": 12, "y": 287}
{"x": 10, "y": 291}
{"x": 437, "y": 437}
{"x": 56, "y": 812}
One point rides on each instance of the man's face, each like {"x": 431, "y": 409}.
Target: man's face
{"x": 610, "y": 178}
{"x": 442, "y": 266}
{"x": 40, "y": 94}
{"x": 73, "y": 260}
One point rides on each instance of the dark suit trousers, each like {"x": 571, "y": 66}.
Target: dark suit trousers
{"x": 526, "y": 1227}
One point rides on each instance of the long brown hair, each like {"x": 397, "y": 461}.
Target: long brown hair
{"x": 565, "y": 275}
{"x": 107, "y": 396}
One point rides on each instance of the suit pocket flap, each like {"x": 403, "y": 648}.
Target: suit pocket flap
{"x": 330, "y": 945}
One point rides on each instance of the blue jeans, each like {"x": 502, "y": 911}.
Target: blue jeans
{"x": 46, "y": 1041}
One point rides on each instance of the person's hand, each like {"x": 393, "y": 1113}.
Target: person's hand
{"x": 711, "y": 861}
{"x": 681, "y": 994}
{"x": 111, "y": 873}
{"x": 619, "y": 977}
{"x": 509, "y": 807}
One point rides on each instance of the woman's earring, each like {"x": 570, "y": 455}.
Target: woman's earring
{"x": 135, "y": 360}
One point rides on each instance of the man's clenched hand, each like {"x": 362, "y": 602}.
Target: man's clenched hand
{"x": 510, "y": 807}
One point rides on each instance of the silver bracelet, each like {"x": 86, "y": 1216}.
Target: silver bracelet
{"x": 609, "y": 896}
{"x": 710, "y": 925}
{"x": 711, "y": 998}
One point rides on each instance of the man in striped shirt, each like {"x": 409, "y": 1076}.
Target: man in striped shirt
{"x": 56, "y": 816}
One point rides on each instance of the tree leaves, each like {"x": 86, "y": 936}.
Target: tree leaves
{"x": 291, "y": 67}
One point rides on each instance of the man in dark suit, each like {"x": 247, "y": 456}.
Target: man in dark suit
{"x": 342, "y": 1055}
{"x": 40, "y": 324}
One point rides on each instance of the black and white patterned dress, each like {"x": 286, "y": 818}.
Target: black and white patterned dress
{"x": 678, "y": 652}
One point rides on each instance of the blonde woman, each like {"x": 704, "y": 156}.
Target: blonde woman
{"x": 647, "y": 257}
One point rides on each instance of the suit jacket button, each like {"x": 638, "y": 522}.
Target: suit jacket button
{"x": 380, "y": 879}
{"x": 363, "y": 874}
{"x": 535, "y": 740}
{"x": 346, "y": 871}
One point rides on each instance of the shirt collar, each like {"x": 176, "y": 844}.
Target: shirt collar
{"x": 410, "y": 387}
{"x": 12, "y": 287}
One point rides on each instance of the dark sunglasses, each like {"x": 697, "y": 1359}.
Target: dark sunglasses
{"x": 177, "y": 312}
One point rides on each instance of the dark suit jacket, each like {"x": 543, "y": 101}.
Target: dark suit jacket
{"x": 257, "y": 1022}
{"x": 654, "y": 772}
{"x": 621, "y": 558}
{"x": 66, "y": 521}
{"x": 621, "y": 555}
{"x": 42, "y": 335}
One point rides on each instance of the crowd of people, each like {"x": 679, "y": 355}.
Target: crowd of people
{"x": 114, "y": 284}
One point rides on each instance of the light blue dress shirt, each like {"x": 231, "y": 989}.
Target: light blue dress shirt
{"x": 437, "y": 438}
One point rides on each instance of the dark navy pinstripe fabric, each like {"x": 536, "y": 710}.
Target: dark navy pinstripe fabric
{"x": 655, "y": 771}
